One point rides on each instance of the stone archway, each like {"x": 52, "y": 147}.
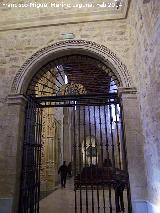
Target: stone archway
{"x": 16, "y": 99}
{"x": 37, "y": 60}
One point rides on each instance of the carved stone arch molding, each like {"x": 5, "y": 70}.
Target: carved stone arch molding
{"x": 63, "y": 48}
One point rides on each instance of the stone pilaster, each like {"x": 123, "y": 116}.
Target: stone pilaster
{"x": 16, "y": 113}
{"x": 134, "y": 143}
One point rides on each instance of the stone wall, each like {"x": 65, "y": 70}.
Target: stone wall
{"x": 22, "y": 14}
{"x": 134, "y": 40}
{"x": 17, "y": 46}
{"x": 144, "y": 22}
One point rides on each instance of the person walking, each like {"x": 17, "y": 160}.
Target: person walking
{"x": 63, "y": 170}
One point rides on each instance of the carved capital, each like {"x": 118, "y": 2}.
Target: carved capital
{"x": 130, "y": 92}
{"x": 16, "y": 100}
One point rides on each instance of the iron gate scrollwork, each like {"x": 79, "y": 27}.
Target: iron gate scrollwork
{"x": 31, "y": 160}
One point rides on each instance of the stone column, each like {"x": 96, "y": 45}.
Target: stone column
{"x": 16, "y": 114}
{"x": 134, "y": 144}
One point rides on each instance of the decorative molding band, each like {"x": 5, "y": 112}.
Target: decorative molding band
{"x": 127, "y": 91}
{"x": 16, "y": 100}
{"x": 101, "y": 52}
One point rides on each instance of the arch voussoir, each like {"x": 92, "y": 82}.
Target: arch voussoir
{"x": 100, "y": 52}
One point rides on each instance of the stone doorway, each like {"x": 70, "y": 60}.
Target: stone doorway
{"x": 80, "y": 93}
{"x": 93, "y": 50}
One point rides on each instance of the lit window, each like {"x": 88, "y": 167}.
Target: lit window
{"x": 66, "y": 79}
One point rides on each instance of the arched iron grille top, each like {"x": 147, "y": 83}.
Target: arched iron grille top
{"x": 73, "y": 74}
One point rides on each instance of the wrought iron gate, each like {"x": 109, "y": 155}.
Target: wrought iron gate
{"x": 101, "y": 181}
{"x": 30, "y": 177}
{"x": 100, "y": 165}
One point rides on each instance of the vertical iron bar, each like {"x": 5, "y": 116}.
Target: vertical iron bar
{"x": 96, "y": 144}
{"x": 30, "y": 175}
{"x": 108, "y": 156}
{"x": 75, "y": 157}
{"x": 80, "y": 153}
{"x": 101, "y": 145}
{"x": 113, "y": 151}
{"x": 25, "y": 193}
{"x": 26, "y": 163}
{"x": 31, "y": 161}
{"x": 116, "y": 198}
{"x": 112, "y": 139}
{"x": 36, "y": 158}
{"x": 110, "y": 198}
{"x": 34, "y": 149}
{"x": 39, "y": 153}
{"x": 85, "y": 159}
{"x": 106, "y": 133}
{"x": 91, "y": 166}
{"x": 118, "y": 141}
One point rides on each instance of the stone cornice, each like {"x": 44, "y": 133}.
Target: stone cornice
{"x": 125, "y": 92}
{"x": 62, "y": 18}
{"x": 16, "y": 100}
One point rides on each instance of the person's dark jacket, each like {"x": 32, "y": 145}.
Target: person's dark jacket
{"x": 63, "y": 170}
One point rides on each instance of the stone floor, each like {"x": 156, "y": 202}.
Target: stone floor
{"x": 63, "y": 201}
